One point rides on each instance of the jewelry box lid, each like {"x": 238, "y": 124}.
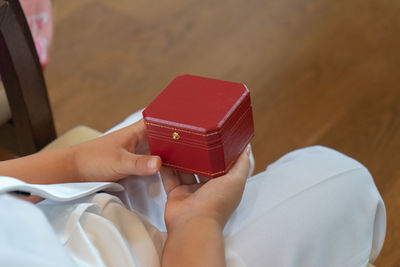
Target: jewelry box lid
{"x": 197, "y": 105}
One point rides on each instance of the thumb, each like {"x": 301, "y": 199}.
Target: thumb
{"x": 240, "y": 170}
{"x": 133, "y": 164}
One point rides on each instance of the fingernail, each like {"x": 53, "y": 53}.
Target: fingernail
{"x": 248, "y": 148}
{"x": 152, "y": 163}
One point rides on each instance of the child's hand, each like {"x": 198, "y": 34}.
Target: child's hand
{"x": 212, "y": 199}
{"x": 116, "y": 155}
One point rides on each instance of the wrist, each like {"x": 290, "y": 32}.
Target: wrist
{"x": 74, "y": 152}
{"x": 188, "y": 223}
{"x": 197, "y": 242}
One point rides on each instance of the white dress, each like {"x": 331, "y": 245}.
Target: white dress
{"x": 312, "y": 207}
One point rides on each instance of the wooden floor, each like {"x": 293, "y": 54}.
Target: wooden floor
{"x": 320, "y": 72}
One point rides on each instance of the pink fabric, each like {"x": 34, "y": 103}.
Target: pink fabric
{"x": 39, "y": 16}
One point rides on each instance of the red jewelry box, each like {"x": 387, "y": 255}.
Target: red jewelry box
{"x": 200, "y": 125}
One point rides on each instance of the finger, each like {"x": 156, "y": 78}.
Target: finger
{"x": 136, "y": 128}
{"x": 131, "y": 135}
{"x": 142, "y": 148}
{"x": 187, "y": 178}
{"x": 240, "y": 169}
{"x": 169, "y": 179}
{"x": 204, "y": 179}
{"x": 191, "y": 188}
{"x": 140, "y": 130}
{"x": 140, "y": 164}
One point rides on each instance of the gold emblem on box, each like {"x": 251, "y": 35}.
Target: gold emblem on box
{"x": 176, "y": 136}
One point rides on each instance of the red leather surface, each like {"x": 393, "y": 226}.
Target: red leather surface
{"x": 213, "y": 119}
{"x": 195, "y": 103}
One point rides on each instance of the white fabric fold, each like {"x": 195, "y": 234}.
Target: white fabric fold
{"x": 56, "y": 192}
{"x": 99, "y": 231}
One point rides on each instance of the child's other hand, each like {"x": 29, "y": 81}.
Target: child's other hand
{"x": 116, "y": 155}
{"x": 212, "y": 199}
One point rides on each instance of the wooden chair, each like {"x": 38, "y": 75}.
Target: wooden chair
{"x": 25, "y": 86}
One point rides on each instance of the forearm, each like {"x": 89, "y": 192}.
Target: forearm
{"x": 198, "y": 243}
{"x": 49, "y": 167}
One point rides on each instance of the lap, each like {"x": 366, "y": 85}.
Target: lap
{"x": 312, "y": 207}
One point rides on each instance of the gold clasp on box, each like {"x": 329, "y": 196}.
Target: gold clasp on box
{"x": 176, "y": 136}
